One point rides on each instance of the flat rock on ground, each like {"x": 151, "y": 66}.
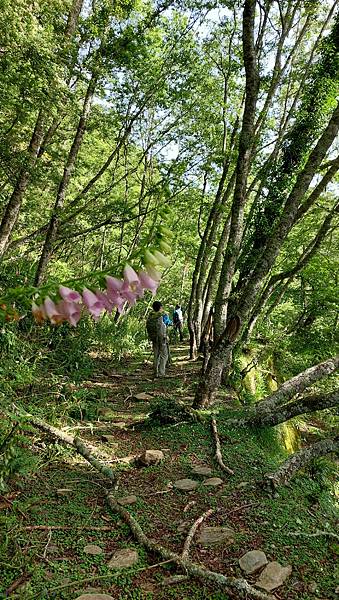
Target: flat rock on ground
{"x": 142, "y": 397}
{"x": 111, "y": 440}
{"x": 253, "y": 561}
{"x": 186, "y": 485}
{"x": 126, "y": 500}
{"x": 123, "y": 558}
{"x": 273, "y": 576}
{"x": 213, "y": 482}
{"x": 94, "y": 597}
{"x": 210, "y": 536}
{"x": 93, "y": 549}
{"x": 204, "y": 471}
{"x": 151, "y": 457}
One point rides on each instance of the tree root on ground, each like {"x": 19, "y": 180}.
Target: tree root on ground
{"x": 193, "y": 531}
{"x": 77, "y": 444}
{"x": 218, "y": 455}
{"x": 241, "y": 586}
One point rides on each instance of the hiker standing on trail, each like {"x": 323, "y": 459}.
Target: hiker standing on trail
{"x": 178, "y": 321}
{"x": 157, "y": 334}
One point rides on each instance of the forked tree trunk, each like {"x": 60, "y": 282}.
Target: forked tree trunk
{"x": 293, "y": 386}
{"x": 211, "y": 379}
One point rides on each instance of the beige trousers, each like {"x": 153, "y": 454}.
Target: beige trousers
{"x": 160, "y": 358}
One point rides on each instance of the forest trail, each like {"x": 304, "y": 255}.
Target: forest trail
{"x": 64, "y": 541}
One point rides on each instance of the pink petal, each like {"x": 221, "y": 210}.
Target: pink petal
{"x": 108, "y": 304}
{"x": 114, "y": 284}
{"x": 52, "y": 311}
{"x": 70, "y": 311}
{"x": 147, "y": 282}
{"x": 130, "y": 276}
{"x": 94, "y": 305}
{"x": 130, "y": 296}
{"x": 69, "y": 295}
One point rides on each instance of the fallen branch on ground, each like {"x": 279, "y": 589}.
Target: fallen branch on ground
{"x": 300, "y": 459}
{"x": 192, "y": 532}
{"x": 243, "y": 588}
{"x": 74, "y": 442}
{"x": 218, "y": 455}
{"x": 20, "y": 581}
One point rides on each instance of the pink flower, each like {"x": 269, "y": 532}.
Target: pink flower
{"x": 107, "y": 302}
{"x": 94, "y": 305}
{"x": 114, "y": 287}
{"x": 129, "y": 296}
{"x": 114, "y": 284}
{"x": 71, "y": 311}
{"x": 147, "y": 282}
{"x": 132, "y": 288}
{"x": 39, "y": 313}
{"x": 130, "y": 277}
{"x": 69, "y": 295}
{"x": 132, "y": 282}
{"x": 52, "y": 312}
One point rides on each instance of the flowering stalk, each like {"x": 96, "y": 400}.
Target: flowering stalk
{"x": 118, "y": 293}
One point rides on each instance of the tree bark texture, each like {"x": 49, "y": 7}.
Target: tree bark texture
{"x": 306, "y": 405}
{"x": 290, "y": 388}
{"x": 300, "y": 459}
{"x": 211, "y": 379}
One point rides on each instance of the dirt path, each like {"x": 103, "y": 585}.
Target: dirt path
{"x": 53, "y": 516}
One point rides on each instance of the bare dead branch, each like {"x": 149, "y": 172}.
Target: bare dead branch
{"x": 218, "y": 454}
{"x": 193, "y": 531}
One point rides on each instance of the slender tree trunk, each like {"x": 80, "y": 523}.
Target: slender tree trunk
{"x": 64, "y": 183}
{"x": 195, "y": 306}
{"x": 13, "y": 207}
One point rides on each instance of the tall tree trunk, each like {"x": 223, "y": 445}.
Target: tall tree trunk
{"x": 64, "y": 183}
{"x": 210, "y": 380}
{"x": 200, "y": 274}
